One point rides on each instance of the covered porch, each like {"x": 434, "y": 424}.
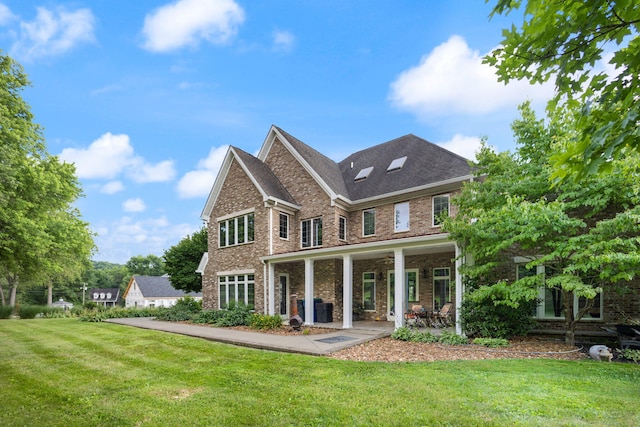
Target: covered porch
{"x": 375, "y": 282}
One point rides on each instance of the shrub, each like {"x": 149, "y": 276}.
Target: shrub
{"x": 491, "y": 342}
{"x": 452, "y": 338}
{"x": 28, "y": 311}
{"x": 485, "y": 319}
{"x": 265, "y": 322}
{"x": 236, "y": 315}
{"x": 425, "y": 336}
{"x": 403, "y": 333}
{"x": 630, "y": 354}
{"x": 208, "y": 316}
{"x": 6, "y": 311}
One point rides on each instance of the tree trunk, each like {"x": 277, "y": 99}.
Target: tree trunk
{"x": 2, "y": 294}
{"x": 50, "y": 293}
{"x": 12, "y": 295}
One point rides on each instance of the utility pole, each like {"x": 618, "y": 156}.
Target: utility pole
{"x": 84, "y": 288}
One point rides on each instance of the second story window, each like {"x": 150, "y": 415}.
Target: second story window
{"x": 369, "y": 222}
{"x": 311, "y": 232}
{"x": 401, "y": 217}
{"x": 342, "y": 228}
{"x": 284, "y": 226}
{"x": 440, "y": 208}
{"x": 236, "y": 231}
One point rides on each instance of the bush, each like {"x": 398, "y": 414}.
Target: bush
{"x": 491, "y": 342}
{"x": 630, "y": 354}
{"x": 452, "y": 338}
{"x": 265, "y": 322}
{"x": 236, "y": 315}
{"x": 211, "y": 317}
{"x": 28, "y": 311}
{"x": 485, "y": 319}
{"x": 6, "y": 311}
{"x": 403, "y": 333}
{"x": 185, "y": 309}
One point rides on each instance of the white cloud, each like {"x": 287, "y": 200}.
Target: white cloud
{"x": 111, "y": 155}
{"x": 5, "y": 14}
{"x": 283, "y": 41}
{"x": 465, "y": 146}
{"x": 53, "y": 32}
{"x": 451, "y": 80}
{"x": 134, "y": 205}
{"x": 112, "y": 187}
{"x": 187, "y": 22}
{"x": 198, "y": 183}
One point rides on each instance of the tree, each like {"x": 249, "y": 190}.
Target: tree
{"x": 182, "y": 260}
{"x": 563, "y": 40}
{"x": 150, "y": 265}
{"x": 585, "y": 237}
{"x": 42, "y": 237}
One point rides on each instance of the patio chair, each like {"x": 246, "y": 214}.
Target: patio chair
{"x": 443, "y": 317}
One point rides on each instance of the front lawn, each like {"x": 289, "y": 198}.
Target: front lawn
{"x": 63, "y": 372}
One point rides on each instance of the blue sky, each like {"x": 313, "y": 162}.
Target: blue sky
{"x": 145, "y": 96}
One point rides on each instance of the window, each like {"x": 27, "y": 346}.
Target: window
{"x": 311, "y": 230}
{"x": 440, "y": 207}
{"x": 369, "y": 291}
{"x": 236, "y": 231}
{"x": 402, "y": 217}
{"x": 342, "y": 228}
{"x": 397, "y": 164}
{"x": 363, "y": 174}
{"x": 284, "y": 226}
{"x": 237, "y": 289}
{"x": 551, "y": 305}
{"x": 441, "y": 287}
{"x": 369, "y": 222}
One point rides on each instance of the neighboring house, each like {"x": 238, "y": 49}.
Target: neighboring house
{"x": 107, "y": 297}
{"x": 154, "y": 291}
{"x": 361, "y": 233}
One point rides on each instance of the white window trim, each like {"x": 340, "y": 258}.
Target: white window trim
{"x": 434, "y": 278}
{"x": 375, "y": 286}
{"x": 395, "y": 218}
{"x": 374, "y": 222}
{"x": 288, "y": 231}
{"x": 313, "y": 238}
{"x": 433, "y": 208}
{"x": 341, "y": 218}
{"x": 235, "y": 282}
{"x": 245, "y": 218}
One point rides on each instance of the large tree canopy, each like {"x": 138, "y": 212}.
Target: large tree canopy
{"x": 563, "y": 40}
{"x": 585, "y": 237}
{"x": 42, "y": 236}
{"x": 182, "y": 260}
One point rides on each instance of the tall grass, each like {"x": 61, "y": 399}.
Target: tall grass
{"x": 63, "y": 372}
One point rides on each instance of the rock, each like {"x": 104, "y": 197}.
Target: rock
{"x": 600, "y": 353}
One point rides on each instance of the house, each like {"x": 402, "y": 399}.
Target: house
{"x": 361, "y": 234}
{"x": 107, "y": 297}
{"x": 154, "y": 291}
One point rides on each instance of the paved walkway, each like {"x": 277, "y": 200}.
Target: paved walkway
{"x": 305, "y": 344}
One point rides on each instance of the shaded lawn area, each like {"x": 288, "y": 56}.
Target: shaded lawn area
{"x": 63, "y": 372}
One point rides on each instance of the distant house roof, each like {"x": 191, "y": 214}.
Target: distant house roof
{"x": 104, "y": 294}
{"x": 159, "y": 287}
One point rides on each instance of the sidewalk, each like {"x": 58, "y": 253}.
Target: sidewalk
{"x": 316, "y": 345}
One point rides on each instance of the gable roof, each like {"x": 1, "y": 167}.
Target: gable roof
{"x": 260, "y": 175}
{"x": 158, "y": 287}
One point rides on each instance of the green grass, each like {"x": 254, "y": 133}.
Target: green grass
{"x": 63, "y": 372}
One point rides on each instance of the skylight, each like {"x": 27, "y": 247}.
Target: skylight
{"x": 397, "y": 164}
{"x": 363, "y": 173}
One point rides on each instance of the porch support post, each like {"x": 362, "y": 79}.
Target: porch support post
{"x": 347, "y": 292}
{"x": 400, "y": 291}
{"x": 459, "y": 290}
{"x": 308, "y": 292}
{"x": 272, "y": 289}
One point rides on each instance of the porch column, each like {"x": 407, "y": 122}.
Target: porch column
{"x": 400, "y": 291}
{"x": 272, "y": 289}
{"x": 347, "y": 292}
{"x": 459, "y": 290}
{"x": 308, "y": 292}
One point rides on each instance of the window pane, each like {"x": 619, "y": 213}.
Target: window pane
{"x": 284, "y": 226}
{"x": 223, "y": 233}
{"x": 342, "y": 229}
{"x": 440, "y": 208}
{"x": 223, "y": 295}
{"x": 251, "y": 295}
{"x": 232, "y": 231}
{"x": 402, "y": 217}
{"x": 595, "y": 312}
{"x": 250, "y": 227}
{"x": 305, "y": 228}
{"x": 241, "y": 227}
{"x": 412, "y": 286}
{"x": 369, "y": 222}
{"x": 553, "y": 304}
{"x": 317, "y": 230}
{"x": 369, "y": 291}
